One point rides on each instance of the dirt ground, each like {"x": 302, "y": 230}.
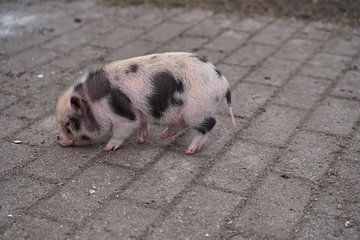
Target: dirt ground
{"x": 339, "y": 11}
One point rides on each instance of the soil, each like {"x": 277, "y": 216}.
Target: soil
{"x": 339, "y": 11}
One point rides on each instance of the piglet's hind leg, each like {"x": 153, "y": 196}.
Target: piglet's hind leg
{"x": 143, "y": 130}
{"x": 173, "y": 129}
{"x": 202, "y": 134}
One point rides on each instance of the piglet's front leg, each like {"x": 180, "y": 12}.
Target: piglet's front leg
{"x": 120, "y": 132}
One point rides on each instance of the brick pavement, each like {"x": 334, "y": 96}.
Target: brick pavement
{"x": 288, "y": 170}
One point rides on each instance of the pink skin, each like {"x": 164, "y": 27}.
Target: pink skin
{"x": 173, "y": 129}
{"x": 65, "y": 142}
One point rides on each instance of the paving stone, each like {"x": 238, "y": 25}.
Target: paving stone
{"x": 117, "y": 37}
{"x": 36, "y": 228}
{"x": 329, "y": 60}
{"x": 6, "y": 100}
{"x": 51, "y": 166}
{"x": 166, "y": 179}
{"x": 277, "y": 32}
{"x": 353, "y": 150}
{"x": 240, "y": 166}
{"x": 198, "y": 216}
{"x": 249, "y": 24}
{"x": 233, "y": 73}
{"x": 29, "y": 59}
{"x": 247, "y": 98}
{"x": 309, "y": 155}
{"x": 119, "y": 220}
{"x": 327, "y": 228}
{"x": 275, "y": 125}
{"x": 227, "y": 41}
{"x": 70, "y": 40}
{"x": 345, "y": 44}
{"x": 29, "y": 107}
{"x": 192, "y": 16}
{"x": 164, "y": 32}
{"x": 321, "y": 72}
{"x": 349, "y": 85}
{"x": 315, "y": 31}
{"x": 302, "y": 92}
{"x": 17, "y": 193}
{"x": 76, "y": 200}
{"x": 78, "y": 58}
{"x": 273, "y": 71}
{"x": 249, "y": 55}
{"x": 42, "y": 133}
{"x": 208, "y": 28}
{"x": 150, "y": 19}
{"x": 183, "y": 44}
{"x": 212, "y": 55}
{"x": 133, "y": 49}
{"x": 8, "y": 125}
{"x": 275, "y": 207}
{"x": 335, "y": 116}
{"x": 13, "y": 155}
{"x": 219, "y": 135}
{"x": 297, "y": 49}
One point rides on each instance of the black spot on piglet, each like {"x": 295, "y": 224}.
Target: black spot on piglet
{"x": 132, "y": 69}
{"x": 218, "y": 72}
{"x": 98, "y": 84}
{"x": 165, "y": 85}
{"x": 206, "y": 125}
{"x": 121, "y": 104}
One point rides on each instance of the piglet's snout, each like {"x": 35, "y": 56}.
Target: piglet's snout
{"x": 64, "y": 141}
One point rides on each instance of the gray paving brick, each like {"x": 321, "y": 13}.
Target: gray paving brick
{"x": 166, "y": 179}
{"x": 302, "y": 92}
{"x": 329, "y": 60}
{"x": 309, "y": 155}
{"x": 76, "y": 200}
{"x": 212, "y": 55}
{"x": 317, "y": 227}
{"x": 28, "y": 59}
{"x": 349, "y": 85}
{"x": 322, "y": 72}
{"x": 13, "y": 155}
{"x": 183, "y": 44}
{"x": 249, "y": 24}
{"x": 6, "y": 100}
{"x": 274, "y": 208}
{"x": 51, "y": 165}
{"x": 275, "y": 125}
{"x": 297, "y": 49}
{"x": 78, "y": 58}
{"x": 117, "y": 37}
{"x": 29, "y": 107}
{"x": 164, "y": 32}
{"x": 227, "y": 41}
{"x": 233, "y": 73}
{"x": 17, "y": 193}
{"x": 42, "y": 133}
{"x": 249, "y": 55}
{"x": 70, "y": 40}
{"x": 149, "y": 19}
{"x": 208, "y": 28}
{"x": 247, "y": 98}
{"x": 335, "y": 116}
{"x": 198, "y": 216}
{"x": 345, "y": 45}
{"x": 353, "y": 150}
{"x": 315, "y": 31}
{"x": 240, "y": 166}
{"x": 133, "y": 49}
{"x": 119, "y": 220}
{"x": 277, "y": 32}
{"x": 192, "y": 16}
{"x": 36, "y": 228}
{"x": 273, "y": 71}
{"x": 219, "y": 135}
{"x": 8, "y": 125}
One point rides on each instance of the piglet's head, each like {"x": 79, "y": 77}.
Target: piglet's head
{"x": 71, "y": 117}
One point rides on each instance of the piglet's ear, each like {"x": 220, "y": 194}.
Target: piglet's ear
{"x": 76, "y": 104}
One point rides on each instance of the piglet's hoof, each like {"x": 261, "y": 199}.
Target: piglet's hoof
{"x": 112, "y": 145}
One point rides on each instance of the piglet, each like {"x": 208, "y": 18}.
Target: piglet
{"x": 176, "y": 90}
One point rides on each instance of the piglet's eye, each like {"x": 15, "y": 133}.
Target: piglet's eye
{"x": 67, "y": 124}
